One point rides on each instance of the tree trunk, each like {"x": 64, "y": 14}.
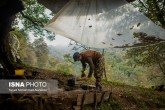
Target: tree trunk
{"x": 6, "y": 60}
{"x": 8, "y": 11}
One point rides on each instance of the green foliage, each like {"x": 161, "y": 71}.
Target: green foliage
{"x": 113, "y": 104}
{"x": 118, "y": 63}
{"x": 151, "y": 56}
{"x": 52, "y": 61}
{"x": 125, "y": 70}
{"x": 41, "y": 51}
{"x": 33, "y": 19}
{"x": 34, "y": 54}
{"x": 68, "y": 57}
{"x": 25, "y": 50}
{"x": 21, "y": 35}
{"x": 154, "y": 9}
{"x": 64, "y": 68}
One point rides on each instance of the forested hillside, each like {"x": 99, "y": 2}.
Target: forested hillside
{"x": 59, "y": 51}
{"x": 122, "y": 65}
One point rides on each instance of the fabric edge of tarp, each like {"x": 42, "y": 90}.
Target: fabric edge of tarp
{"x": 60, "y": 33}
{"x": 131, "y": 46}
{"x": 54, "y": 18}
{"x": 60, "y": 11}
{"x": 63, "y": 34}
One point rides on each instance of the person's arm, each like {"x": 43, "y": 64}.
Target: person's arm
{"x": 91, "y": 65}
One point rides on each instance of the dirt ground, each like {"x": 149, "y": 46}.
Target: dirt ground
{"x": 123, "y": 97}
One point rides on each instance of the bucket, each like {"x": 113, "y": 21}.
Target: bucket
{"x": 19, "y": 72}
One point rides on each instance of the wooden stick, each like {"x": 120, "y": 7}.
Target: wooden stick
{"x": 95, "y": 100}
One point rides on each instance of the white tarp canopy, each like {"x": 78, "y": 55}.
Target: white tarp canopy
{"x": 104, "y": 23}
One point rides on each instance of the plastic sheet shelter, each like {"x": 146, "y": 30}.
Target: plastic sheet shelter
{"x": 105, "y": 23}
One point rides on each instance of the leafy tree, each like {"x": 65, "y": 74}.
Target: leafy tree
{"x": 29, "y": 57}
{"x": 120, "y": 69}
{"x": 23, "y": 39}
{"x": 153, "y": 9}
{"x": 152, "y": 55}
{"x": 64, "y": 68}
{"x": 41, "y": 50}
{"x": 33, "y": 19}
{"x": 68, "y": 57}
{"x": 8, "y": 11}
{"x": 52, "y": 62}
{"x": 149, "y": 56}
{"x": 25, "y": 50}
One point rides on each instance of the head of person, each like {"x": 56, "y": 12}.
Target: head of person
{"x": 76, "y": 56}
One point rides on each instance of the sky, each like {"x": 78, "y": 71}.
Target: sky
{"x": 59, "y": 40}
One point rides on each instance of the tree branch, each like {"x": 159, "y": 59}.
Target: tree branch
{"x": 143, "y": 4}
{"x": 32, "y": 21}
{"x": 163, "y": 5}
{"x": 28, "y": 18}
{"x": 160, "y": 14}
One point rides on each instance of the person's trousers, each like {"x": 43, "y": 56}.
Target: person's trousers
{"x": 98, "y": 72}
